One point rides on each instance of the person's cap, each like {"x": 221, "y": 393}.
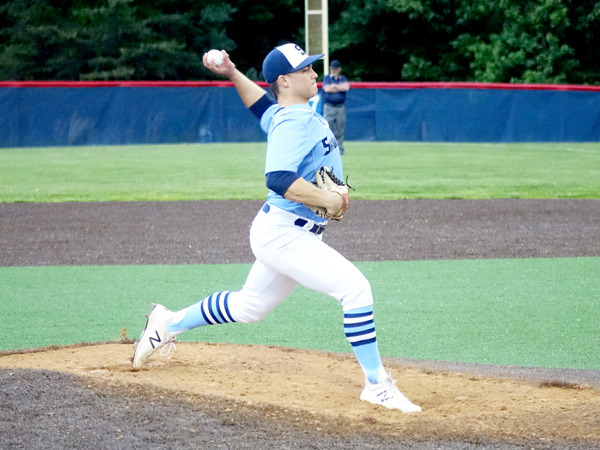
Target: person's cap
{"x": 286, "y": 59}
{"x": 335, "y": 64}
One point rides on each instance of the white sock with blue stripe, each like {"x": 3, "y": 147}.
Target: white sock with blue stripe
{"x": 212, "y": 310}
{"x": 359, "y": 328}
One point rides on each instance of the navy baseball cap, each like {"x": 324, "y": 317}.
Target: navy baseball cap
{"x": 286, "y": 59}
{"x": 335, "y": 64}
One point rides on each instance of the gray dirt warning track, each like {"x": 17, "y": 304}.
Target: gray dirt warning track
{"x": 43, "y": 409}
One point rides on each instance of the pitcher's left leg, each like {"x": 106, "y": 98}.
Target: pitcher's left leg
{"x": 321, "y": 268}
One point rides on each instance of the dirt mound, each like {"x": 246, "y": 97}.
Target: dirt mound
{"x": 319, "y": 391}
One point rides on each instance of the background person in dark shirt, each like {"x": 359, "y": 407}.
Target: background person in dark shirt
{"x": 335, "y": 86}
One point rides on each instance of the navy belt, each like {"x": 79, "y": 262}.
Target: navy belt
{"x": 316, "y": 229}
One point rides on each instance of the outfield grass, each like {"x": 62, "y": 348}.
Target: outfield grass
{"x": 528, "y": 312}
{"x": 378, "y": 170}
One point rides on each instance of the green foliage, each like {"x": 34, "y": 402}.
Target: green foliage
{"x": 31, "y": 41}
{"x": 584, "y": 37}
{"x": 120, "y": 46}
{"x": 530, "y": 41}
{"x": 107, "y": 40}
{"x": 525, "y": 42}
{"x": 257, "y": 27}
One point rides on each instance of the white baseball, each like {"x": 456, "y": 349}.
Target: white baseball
{"x": 215, "y": 56}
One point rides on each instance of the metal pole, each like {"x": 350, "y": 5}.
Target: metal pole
{"x": 316, "y": 20}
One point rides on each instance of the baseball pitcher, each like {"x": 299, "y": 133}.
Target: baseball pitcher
{"x": 304, "y": 175}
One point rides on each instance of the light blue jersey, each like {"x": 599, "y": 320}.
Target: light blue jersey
{"x": 298, "y": 140}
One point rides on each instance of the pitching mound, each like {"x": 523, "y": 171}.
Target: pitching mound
{"x": 318, "y": 392}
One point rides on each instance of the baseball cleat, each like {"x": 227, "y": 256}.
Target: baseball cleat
{"x": 155, "y": 335}
{"x": 386, "y": 393}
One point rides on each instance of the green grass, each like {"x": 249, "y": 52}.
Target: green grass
{"x": 130, "y": 173}
{"x": 381, "y": 170}
{"x": 474, "y": 171}
{"x": 528, "y": 312}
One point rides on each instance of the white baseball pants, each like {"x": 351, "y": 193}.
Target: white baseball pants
{"x": 288, "y": 255}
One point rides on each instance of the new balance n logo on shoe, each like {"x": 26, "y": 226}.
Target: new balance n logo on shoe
{"x": 383, "y": 396}
{"x": 156, "y": 339}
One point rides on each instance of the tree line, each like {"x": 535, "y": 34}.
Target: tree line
{"x": 527, "y": 41}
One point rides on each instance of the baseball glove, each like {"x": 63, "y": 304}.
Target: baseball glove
{"x": 327, "y": 181}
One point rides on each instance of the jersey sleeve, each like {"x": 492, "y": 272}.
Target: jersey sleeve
{"x": 267, "y": 117}
{"x": 262, "y": 105}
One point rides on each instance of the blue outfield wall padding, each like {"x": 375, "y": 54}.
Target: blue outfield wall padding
{"x": 38, "y": 117}
{"x": 472, "y": 115}
{"x": 120, "y": 115}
